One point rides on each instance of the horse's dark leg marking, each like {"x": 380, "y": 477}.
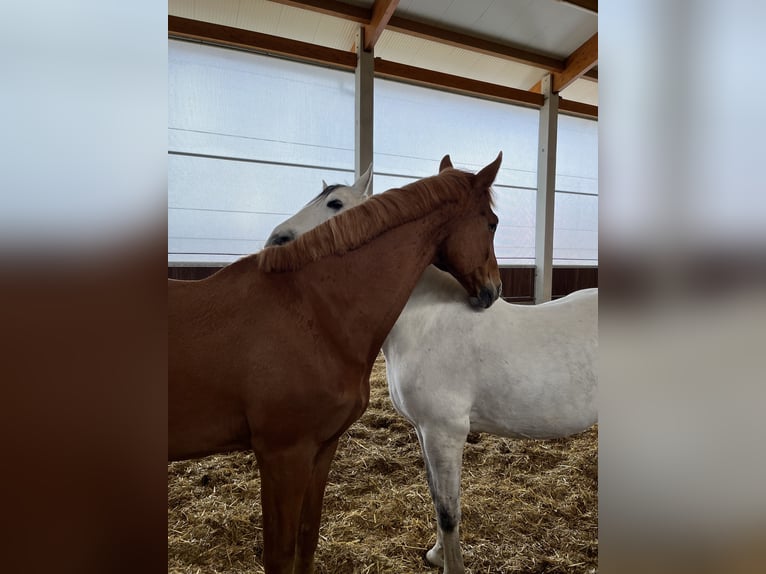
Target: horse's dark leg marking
{"x": 446, "y": 521}
{"x": 443, "y": 452}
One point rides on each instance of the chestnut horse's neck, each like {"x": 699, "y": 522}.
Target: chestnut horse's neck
{"x": 367, "y": 288}
{"x": 352, "y": 300}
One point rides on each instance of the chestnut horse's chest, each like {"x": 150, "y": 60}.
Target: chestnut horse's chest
{"x": 285, "y": 405}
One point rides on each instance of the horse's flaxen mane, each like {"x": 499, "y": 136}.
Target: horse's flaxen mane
{"x": 356, "y": 227}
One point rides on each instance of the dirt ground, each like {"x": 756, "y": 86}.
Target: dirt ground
{"x": 528, "y": 506}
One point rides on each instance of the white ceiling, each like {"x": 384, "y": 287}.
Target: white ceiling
{"x": 549, "y": 27}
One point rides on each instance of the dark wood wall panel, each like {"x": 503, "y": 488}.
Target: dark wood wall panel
{"x": 568, "y": 279}
{"x": 518, "y": 282}
{"x": 190, "y": 273}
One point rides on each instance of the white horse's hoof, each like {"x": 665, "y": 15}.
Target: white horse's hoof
{"x": 434, "y": 556}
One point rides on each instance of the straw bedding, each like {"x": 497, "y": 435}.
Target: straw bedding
{"x": 528, "y": 506}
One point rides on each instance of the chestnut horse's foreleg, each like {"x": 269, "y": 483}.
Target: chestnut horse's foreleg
{"x": 443, "y": 455}
{"x": 308, "y": 534}
{"x": 285, "y": 476}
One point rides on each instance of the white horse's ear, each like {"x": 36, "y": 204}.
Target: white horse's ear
{"x": 487, "y": 175}
{"x": 445, "y": 163}
{"x": 363, "y": 185}
{"x": 324, "y": 185}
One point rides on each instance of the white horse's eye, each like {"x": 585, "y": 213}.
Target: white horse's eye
{"x": 335, "y": 204}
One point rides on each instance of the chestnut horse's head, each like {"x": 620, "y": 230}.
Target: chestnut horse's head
{"x": 468, "y": 251}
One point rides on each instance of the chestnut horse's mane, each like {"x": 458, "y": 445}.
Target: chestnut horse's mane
{"x": 353, "y": 228}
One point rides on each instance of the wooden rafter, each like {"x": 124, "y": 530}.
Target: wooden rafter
{"x": 245, "y": 39}
{"x": 382, "y": 10}
{"x": 487, "y": 47}
{"x": 433, "y": 33}
{"x": 422, "y": 76}
{"x": 572, "y": 108}
{"x": 589, "y": 5}
{"x": 227, "y": 36}
{"x": 581, "y": 61}
{"x": 332, "y": 8}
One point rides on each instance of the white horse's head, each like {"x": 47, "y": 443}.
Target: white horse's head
{"x": 330, "y": 202}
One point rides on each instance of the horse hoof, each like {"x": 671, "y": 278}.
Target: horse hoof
{"x": 435, "y": 557}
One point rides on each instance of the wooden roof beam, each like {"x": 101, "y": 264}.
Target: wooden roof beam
{"x": 467, "y": 42}
{"x": 581, "y": 61}
{"x": 589, "y": 5}
{"x": 433, "y": 33}
{"x": 382, "y": 11}
{"x": 459, "y": 84}
{"x": 227, "y": 36}
{"x": 332, "y": 8}
{"x": 236, "y": 37}
{"x": 579, "y": 109}
{"x": 421, "y": 76}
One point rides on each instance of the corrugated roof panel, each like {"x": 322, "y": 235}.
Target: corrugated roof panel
{"x": 466, "y": 12}
{"x": 260, "y": 16}
{"x": 457, "y": 61}
{"x": 506, "y": 73}
{"x": 336, "y": 33}
{"x": 270, "y": 18}
{"x": 582, "y": 90}
{"x": 217, "y": 11}
{"x": 298, "y": 24}
{"x": 182, "y": 8}
{"x": 398, "y": 47}
{"x": 435, "y": 56}
{"x": 464, "y": 59}
{"x": 545, "y": 26}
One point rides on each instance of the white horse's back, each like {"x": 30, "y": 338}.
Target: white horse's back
{"x": 511, "y": 370}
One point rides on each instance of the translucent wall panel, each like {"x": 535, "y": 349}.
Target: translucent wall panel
{"x": 577, "y": 155}
{"x": 219, "y": 210}
{"x": 250, "y": 139}
{"x": 415, "y": 127}
{"x": 575, "y": 230}
{"x": 575, "y": 223}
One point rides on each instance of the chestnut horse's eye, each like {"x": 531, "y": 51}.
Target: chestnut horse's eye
{"x": 493, "y": 227}
{"x": 335, "y": 204}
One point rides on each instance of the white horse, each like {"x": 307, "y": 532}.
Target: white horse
{"x": 510, "y": 370}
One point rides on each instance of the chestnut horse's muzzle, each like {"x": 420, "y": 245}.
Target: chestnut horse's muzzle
{"x": 486, "y": 296}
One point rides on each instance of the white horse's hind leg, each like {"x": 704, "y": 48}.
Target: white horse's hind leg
{"x": 443, "y": 454}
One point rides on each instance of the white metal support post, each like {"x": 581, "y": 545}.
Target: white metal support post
{"x": 546, "y": 184}
{"x": 363, "y": 96}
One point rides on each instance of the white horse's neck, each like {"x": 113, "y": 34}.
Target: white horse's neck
{"x": 438, "y": 286}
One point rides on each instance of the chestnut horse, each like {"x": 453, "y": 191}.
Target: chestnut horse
{"x": 274, "y": 352}
{"x": 514, "y": 371}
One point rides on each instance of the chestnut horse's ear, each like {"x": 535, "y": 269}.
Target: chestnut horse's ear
{"x": 486, "y": 176}
{"x": 445, "y": 163}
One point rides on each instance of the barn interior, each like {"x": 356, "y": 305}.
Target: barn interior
{"x": 529, "y": 506}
